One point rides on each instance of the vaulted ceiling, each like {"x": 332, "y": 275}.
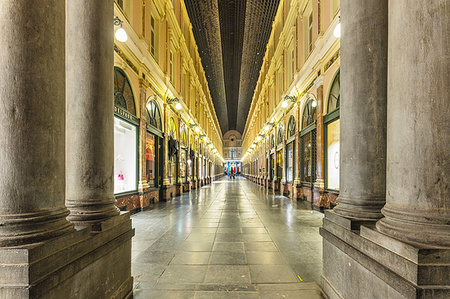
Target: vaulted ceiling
{"x": 231, "y": 36}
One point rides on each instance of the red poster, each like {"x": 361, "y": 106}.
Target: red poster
{"x": 150, "y": 148}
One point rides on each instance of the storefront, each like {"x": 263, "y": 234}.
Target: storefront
{"x": 272, "y": 158}
{"x": 332, "y": 127}
{"x": 126, "y": 128}
{"x": 290, "y": 150}
{"x": 184, "y": 152}
{"x": 308, "y": 148}
{"x": 173, "y": 151}
{"x": 154, "y": 147}
{"x": 279, "y": 155}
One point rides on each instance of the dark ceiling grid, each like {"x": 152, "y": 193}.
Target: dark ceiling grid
{"x": 258, "y": 26}
{"x": 232, "y": 22}
{"x": 231, "y": 36}
{"x": 204, "y": 16}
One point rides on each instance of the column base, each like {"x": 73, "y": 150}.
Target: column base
{"x": 148, "y": 197}
{"x": 99, "y": 265}
{"x": 169, "y": 192}
{"x": 360, "y": 262}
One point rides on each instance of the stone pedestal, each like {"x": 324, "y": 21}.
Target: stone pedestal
{"x": 360, "y": 262}
{"x": 80, "y": 264}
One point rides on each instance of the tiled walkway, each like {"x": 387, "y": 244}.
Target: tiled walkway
{"x": 230, "y": 239}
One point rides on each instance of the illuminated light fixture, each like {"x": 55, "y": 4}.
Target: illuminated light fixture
{"x": 197, "y": 129}
{"x": 121, "y": 35}
{"x": 170, "y": 101}
{"x": 314, "y": 103}
{"x": 259, "y": 138}
{"x": 178, "y": 106}
{"x": 337, "y": 29}
{"x": 284, "y": 104}
{"x": 189, "y": 161}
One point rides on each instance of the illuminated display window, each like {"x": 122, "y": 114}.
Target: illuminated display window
{"x": 125, "y": 135}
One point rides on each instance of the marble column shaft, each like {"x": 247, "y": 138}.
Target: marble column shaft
{"x": 363, "y": 108}
{"x": 418, "y": 150}
{"x": 32, "y": 122}
{"x": 89, "y": 112}
{"x": 319, "y": 142}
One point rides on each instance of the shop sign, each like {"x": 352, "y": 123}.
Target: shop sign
{"x": 126, "y": 115}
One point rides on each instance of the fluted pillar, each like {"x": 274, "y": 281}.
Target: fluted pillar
{"x": 90, "y": 112}
{"x": 143, "y": 184}
{"x": 363, "y": 108}
{"x": 32, "y": 117}
{"x": 418, "y": 165}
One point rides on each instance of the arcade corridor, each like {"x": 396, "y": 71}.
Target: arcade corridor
{"x": 230, "y": 239}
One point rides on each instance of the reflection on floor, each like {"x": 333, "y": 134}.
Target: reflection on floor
{"x": 227, "y": 240}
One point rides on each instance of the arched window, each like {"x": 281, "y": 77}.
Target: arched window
{"x": 334, "y": 97}
{"x": 172, "y": 129}
{"x": 153, "y": 115}
{"x": 280, "y": 134}
{"x": 309, "y": 114}
{"x": 291, "y": 127}
{"x": 183, "y": 137}
{"x": 272, "y": 141}
{"x": 123, "y": 94}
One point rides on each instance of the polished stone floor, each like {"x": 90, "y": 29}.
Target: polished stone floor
{"x": 230, "y": 239}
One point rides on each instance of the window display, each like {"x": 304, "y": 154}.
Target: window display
{"x": 333, "y": 155}
{"x": 124, "y": 156}
{"x": 150, "y": 155}
{"x": 307, "y": 171}
{"x": 290, "y": 163}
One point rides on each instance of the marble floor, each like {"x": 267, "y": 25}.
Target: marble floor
{"x": 230, "y": 239}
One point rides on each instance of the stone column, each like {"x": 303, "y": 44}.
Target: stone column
{"x": 143, "y": 184}
{"x": 90, "y": 112}
{"x": 319, "y": 183}
{"x": 363, "y": 108}
{"x": 32, "y": 122}
{"x": 418, "y": 165}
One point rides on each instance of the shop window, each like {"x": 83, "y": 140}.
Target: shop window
{"x": 332, "y": 126}
{"x": 290, "y": 147}
{"x": 123, "y": 94}
{"x": 125, "y": 136}
{"x": 308, "y": 143}
{"x": 151, "y": 158}
{"x": 290, "y": 162}
{"x": 280, "y": 135}
{"x": 154, "y": 115}
{"x": 333, "y": 155}
{"x": 335, "y": 95}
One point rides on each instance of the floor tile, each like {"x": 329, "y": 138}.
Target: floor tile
{"x": 227, "y": 258}
{"x": 226, "y": 274}
{"x": 191, "y": 258}
{"x": 272, "y": 274}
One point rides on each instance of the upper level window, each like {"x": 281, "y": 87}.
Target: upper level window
{"x": 171, "y": 66}
{"x": 310, "y": 32}
{"x": 335, "y": 95}
{"x": 152, "y": 36}
{"x": 153, "y": 115}
{"x": 120, "y": 3}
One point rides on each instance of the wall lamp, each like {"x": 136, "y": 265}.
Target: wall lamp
{"x": 170, "y": 101}
{"x": 288, "y": 99}
{"x": 268, "y": 126}
{"x": 121, "y": 35}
